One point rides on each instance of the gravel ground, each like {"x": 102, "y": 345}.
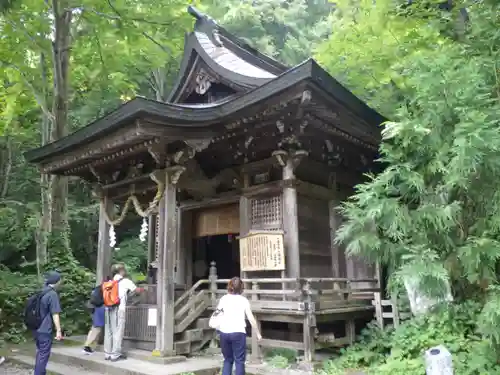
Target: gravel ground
{"x": 11, "y": 369}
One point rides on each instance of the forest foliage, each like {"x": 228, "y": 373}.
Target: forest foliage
{"x": 432, "y": 70}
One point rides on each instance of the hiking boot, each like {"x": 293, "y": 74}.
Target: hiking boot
{"x": 88, "y": 350}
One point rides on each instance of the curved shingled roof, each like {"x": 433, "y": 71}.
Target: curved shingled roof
{"x": 232, "y": 60}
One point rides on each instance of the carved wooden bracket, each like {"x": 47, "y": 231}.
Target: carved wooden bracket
{"x": 198, "y": 144}
{"x": 182, "y": 156}
{"x": 159, "y": 153}
{"x": 97, "y": 191}
{"x": 100, "y": 177}
{"x": 295, "y": 157}
{"x": 203, "y": 82}
{"x": 174, "y": 173}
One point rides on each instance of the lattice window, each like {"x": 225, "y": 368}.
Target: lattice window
{"x": 267, "y": 213}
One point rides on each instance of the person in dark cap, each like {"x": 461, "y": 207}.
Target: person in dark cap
{"x": 50, "y": 308}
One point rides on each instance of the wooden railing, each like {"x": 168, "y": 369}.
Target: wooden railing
{"x": 300, "y": 298}
{"x": 292, "y": 294}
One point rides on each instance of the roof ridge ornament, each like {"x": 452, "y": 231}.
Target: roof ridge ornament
{"x": 206, "y": 25}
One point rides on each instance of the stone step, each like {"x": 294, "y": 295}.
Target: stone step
{"x": 53, "y": 368}
{"x": 132, "y": 366}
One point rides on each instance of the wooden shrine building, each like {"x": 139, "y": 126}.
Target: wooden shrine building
{"x": 238, "y": 173}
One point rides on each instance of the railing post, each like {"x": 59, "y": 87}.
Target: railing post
{"x": 350, "y": 325}
{"x": 378, "y": 309}
{"x": 212, "y": 278}
{"x": 395, "y": 312}
{"x": 309, "y": 324}
{"x": 256, "y": 355}
{"x": 348, "y": 290}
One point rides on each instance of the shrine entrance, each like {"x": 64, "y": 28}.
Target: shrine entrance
{"x": 222, "y": 249}
{"x": 215, "y": 240}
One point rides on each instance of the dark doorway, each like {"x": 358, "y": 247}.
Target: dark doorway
{"x": 222, "y": 249}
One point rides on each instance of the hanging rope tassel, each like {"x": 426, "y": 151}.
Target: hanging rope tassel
{"x": 144, "y": 230}
{"x": 112, "y": 236}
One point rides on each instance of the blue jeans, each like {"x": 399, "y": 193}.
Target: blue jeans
{"x": 233, "y": 346}
{"x": 43, "y": 346}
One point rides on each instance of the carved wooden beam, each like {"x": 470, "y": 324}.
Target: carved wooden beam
{"x": 100, "y": 152}
{"x": 331, "y": 129}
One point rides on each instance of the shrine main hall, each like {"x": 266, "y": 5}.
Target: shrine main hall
{"x": 238, "y": 173}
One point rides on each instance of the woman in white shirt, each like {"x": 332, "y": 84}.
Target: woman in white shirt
{"x": 235, "y": 308}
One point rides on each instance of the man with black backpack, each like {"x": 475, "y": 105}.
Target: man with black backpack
{"x": 41, "y": 314}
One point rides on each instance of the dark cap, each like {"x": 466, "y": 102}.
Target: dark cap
{"x": 52, "y": 277}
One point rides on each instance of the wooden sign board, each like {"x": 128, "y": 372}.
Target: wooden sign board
{"x": 262, "y": 251}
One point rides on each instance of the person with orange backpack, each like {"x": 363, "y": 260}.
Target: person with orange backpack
{"x": 115, "y": 293}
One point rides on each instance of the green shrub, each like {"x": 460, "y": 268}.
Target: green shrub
{"x": 400, "y": 351}
{"x": 283, "y": 354}
{"x": 15, "y": 288}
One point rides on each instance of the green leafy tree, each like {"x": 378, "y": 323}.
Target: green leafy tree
{"x": 283, "y": 29}
{"x": 118, "y": 49}
{"x": 433, "y": 212}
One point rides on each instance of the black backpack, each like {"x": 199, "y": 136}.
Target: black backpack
{"x": 32, "y": 315}
{"x": 96, "y": 297}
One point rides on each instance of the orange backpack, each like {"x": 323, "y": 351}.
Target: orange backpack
{"x": 110, "y": 293}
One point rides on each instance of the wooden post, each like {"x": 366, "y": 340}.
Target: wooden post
{"x": 395, "y": 312}
{"x": 378, "y": 309}
{"x": 309, "y": 324}
{"x": 256, "y": 355}
{"x": 245, "y": 219}
{"x": 350, "y": 326}
{"x": 212, "y": 278}
{"x": 151, "y": 239}
{"x": 290, "y": 221}
{"x": 350, "y": 329}
{"x": 166, "y": 270}
{"x": 180, "y": 253}
{"x": 187, "y": 245}
{"x": 160, "y": 274}
{"x": 334, "y": 248}
{"x": 104, "y": 255}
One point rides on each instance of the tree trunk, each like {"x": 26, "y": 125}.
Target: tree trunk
{"x": 6, "y": 167}
{"x": 61, "y": 50}
{"x": 41, "y": 236}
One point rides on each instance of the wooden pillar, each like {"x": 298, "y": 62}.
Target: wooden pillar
{"x": 104, "y": 254}
{"x": 256, "y": 353}
{"x": 166, "y": 263}
{"x": 186, "y": 248}
{"x": 245, "y": 219}
{"x": 309, "y": 324}
{"x": 151, "y": 239}
{"x": 180, "y": 255}
{"x": 334, "y": 247}
{"x": 160, "y": 275}
{"x": 290, "y": 217}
